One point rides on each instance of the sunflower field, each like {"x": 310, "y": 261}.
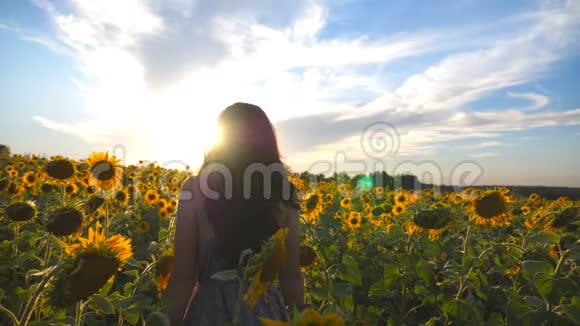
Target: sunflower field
{"x": 89, "y": 242}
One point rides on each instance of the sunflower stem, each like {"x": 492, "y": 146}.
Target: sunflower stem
{"x": 560, "y": 263}
{"x": 237, "y": 308}
{"x": 107, "y": 219}
{"x": 532, "y": 227}
{"x": 239, "y": 300}
{"x": 169, "y": 230}
{"x": 145, "y": 271}
{"x": 62, "y": 194}
{"x": 78, "y": 313}
{"x": 140, "y": 277}
{"x": 10, "y": 314}
{"x": 47, "y": 253}
{"x": 463, "y": 278}
{"x": 34, "y": 299}
{"x": 16, "y": 234}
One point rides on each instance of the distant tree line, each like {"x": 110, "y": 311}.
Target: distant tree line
{"x": 411, "y": 182}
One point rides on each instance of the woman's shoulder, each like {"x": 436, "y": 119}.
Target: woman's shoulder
{"x": 188, "y": 188}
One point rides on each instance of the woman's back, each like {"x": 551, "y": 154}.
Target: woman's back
{"x": 214, "y": 300}
{"x": 241, "y": 197}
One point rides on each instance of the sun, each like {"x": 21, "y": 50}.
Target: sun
{"x": 214, "y": 137}
{"x": 186, "y": 142}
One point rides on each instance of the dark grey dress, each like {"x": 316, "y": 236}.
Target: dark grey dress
{"x": 214, "y": 301}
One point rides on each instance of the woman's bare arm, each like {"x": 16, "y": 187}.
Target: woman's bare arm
{"x": 291, "y": 280}
{"x": 183, "y": 278}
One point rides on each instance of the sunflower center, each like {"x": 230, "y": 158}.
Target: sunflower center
{"x": 60, "y": 169}
{"x": 20, "y": 212}
{"x": 354, "y": 221}
{"x": 103, "y": 171}
{"x": 491, "y": 206}
{"x": 311, "y": 203}
{"x": 121, "y": 196}
{"x": 65, "y": 221}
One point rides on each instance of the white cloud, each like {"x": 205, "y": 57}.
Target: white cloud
{"x": 485, "y": 144}
{"x": 484, "y": 154}
{"x": 83, "y": 130}
{"x": 168, "y": 68}
{"x": 444, "y": 91}
{"x": 538, "y": 101}
{"x": 30, "y": 36}
{"x": 9, "y": 27}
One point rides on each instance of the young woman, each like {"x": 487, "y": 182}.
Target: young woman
{"x": 239, "y": 199}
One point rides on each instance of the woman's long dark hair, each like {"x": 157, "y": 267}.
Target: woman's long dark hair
{"x": 244, "y": 218}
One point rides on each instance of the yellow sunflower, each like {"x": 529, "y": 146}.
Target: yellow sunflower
{"x": 60, "y": 169}
{"x": 312, "y": 206}
{"x": 378, "y": 191}
{"x": 491, "y": 208}
{"x": 47, "y": 187}
{"x": 354, "y": 219}
{"x": 170, "y": 210}
{"x": 29, "y": 179}
{"x": 398, "y": 209}
{"x": 20, "y": 211}
{"x": 13, "y": 173}
{"x": 414, "y": 229}
{"x": 323, "y": 185}
{"x": 433, "y": 219}
{"x": 116, "y": 245}
{"x": 307, "y": 256}
{"x": 163, "y": 269}
{"x": 526, "y": 210}
{"x": 89, "y": 265}
{"x": 13, "y": 189}
{"x": 534, "y": 198}
{"x": 560, "y": 222}
{"x": 71, "y": 188}
{"x": 344, "y": 188}
{"x": 269, "y": 261}
{"x": 144, "y": 227}
{"x": 511, "y": 272}
{"x": 163, "y": 214}
{"x": 9, "y": 168}
{"x": 299, "y": 183}
{"x": 151, "y": 197}
{"x": 365, "y": 198}
{"x": 346, "y": 202}
{"x": 64, "y": 221}
{"x": 329, "y": 197}
{"x": 161, "y": 203}
{"x": 104, "y": 171}
{"x": 121, "y": 197}
{"x": 470, "y": 194}
{"x": 427, "y": 194}
{"x": 401, "y": 198}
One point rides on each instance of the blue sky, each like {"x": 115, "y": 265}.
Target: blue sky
{"x": 455, "y": 91}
